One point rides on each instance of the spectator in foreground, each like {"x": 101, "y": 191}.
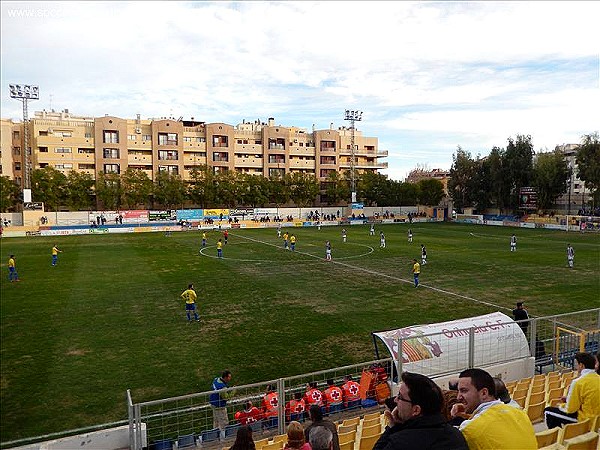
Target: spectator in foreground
{"x": 218, "y": 401}
{"x": 321, "y": 438}
{"x": 417, "y": 423}
{"x": 296, "y": 439}
{"x": 243, "y": 439}
{"x": 493, "y": 425}
{"x": 583, "y": 399}
{"x": 316, "y": 417}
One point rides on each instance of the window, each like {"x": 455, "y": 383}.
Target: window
{"x": 200, "y": 139}
{"x": 88, "y": 134}
{"x": 187, "y": 139}
{"x": 63, "y": 166}
{"x": 111, "y": 137}
{"x": 167, "y": 138}
{"x": 86, "y": 166}
{"x": 171, "y": 170}
{"x": 16, "y": 151}
{"x": 131, "y": 137}
{"x": 327, "y": 145}
{"x": 42, "y": 165}
{"x": 258, "y": 141}
{"x": 16, "y": 135}
{"x": 17, "y": 166}
{"x": 62, "y": 150}
{"x": 111, "y": 153}
{"x": 220, "y": 141}
{"x": 168, "y": 154}
{"x": 63, "y": 133}
{"x": 146, "y": 137}
{"x": 85, "y": 151}
{"x": 220, "y": 157}
{"x": 111, "y": 168}
{"x": 43, "y": 133}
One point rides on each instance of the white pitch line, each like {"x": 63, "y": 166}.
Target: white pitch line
{"x": 391, "y": 277}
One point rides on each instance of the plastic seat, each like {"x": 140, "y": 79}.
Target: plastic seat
{"x": 574, "y": 429}
{"x": 536, "y": 398}
{"x": 336, "y": 408}
{"x": 271, "y": 422}
{"x": 354, "y": 421}
{"x": 280, "y": 438}
{"x": 161, "y": 444}
{"x": 371, "y": 422}
{"x": 256, "y": 426}
{"x": 210, "y": 435}
{"x": 371, "y": 416}
{"x": 367, "y": 442}
{"x": 261, "y": 442}
{"x": 273, "y": 446}
{"x": 343, "y": 429}
{"x": 354, "y": 404}
{"x": 535, "y": 412}
{"x": 547, "y": 437}
{"x": 370, "y": 431}
{"x": 231, "y": 430}
{"x": 347, "y": 445}
{"x": 346, "y": 437}
{"x": 587, "y": 441}
{"x": 186, "y": 441}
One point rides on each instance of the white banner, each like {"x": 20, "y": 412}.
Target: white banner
{"x": 444, "y": 347}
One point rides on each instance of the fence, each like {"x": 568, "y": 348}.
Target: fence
{"x": 189, "y": 418}
{"x": 553, "y": 340}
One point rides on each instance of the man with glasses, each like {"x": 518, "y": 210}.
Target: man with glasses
{"x": 493, "y": 424}
{"x": 417, "y": 423}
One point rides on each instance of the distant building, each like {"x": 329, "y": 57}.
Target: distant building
{"x": 417, "y": 175}
{"x": 111, "y": 145}
{"x": 577, "y": 193}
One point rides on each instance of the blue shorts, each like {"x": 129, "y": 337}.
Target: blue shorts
{"x": 190, "y": 307}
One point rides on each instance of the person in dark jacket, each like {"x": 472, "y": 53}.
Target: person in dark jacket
{"x": 316, "y": 417}
{"x": 417, "y": 422}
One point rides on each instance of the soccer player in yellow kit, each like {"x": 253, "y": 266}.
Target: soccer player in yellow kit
{"x": 55, "y": 252}
{"x": 190, "y": 297}
{"x": 220, "y": 249}
{"x": 416, "y": 271}
{"x": 12, "y": 269}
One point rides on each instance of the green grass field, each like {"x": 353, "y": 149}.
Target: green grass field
{"x": 109, "y": 318}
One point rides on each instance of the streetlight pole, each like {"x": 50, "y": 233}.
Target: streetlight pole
{"x": 24, "y": 93}
{"x": 570, "y": 184}
{"x": 353, "y": 116}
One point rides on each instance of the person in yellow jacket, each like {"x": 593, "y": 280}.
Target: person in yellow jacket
{"x": 583, "y": 398}
{"x": 493, "y": 425}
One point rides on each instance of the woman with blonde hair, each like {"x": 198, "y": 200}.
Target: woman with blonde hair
{"x": 295, "y": 433}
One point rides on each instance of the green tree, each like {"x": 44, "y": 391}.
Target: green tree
{"x": 10, "y": 194}
{"x": 499, "y": 185}
{"x": 460, "y": 185}
{"x": 109, "y": 190}
{"x": 201, "y": 187}
{"x": 256, "y": 190}
{"x": 372, "y": 188}
{"x": 279, "y": 192}
{"x": 80, "y": 191}
{"x": 136, "y": 187}
{"x": 588, "y": 162}
{"x": 550, "y": 174}
{"x": 227, "y": 188}
{"x": 518, "y": 163}
{"x": 481, "y": 185}
{"x": 304, "y": 188}
{"x": 431, "y": 191}
{"x": 48, "y": 185}
{"x": 337, "y": 188}
{"x": 169, "y": 190}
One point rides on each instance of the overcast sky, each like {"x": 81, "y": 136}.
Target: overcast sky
{"x": 428, "y": 76}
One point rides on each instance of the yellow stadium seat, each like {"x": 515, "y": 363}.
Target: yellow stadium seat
{"x": 574, "y": 429}
{"x": 547, "y": 437}
{"x": 347, "y": 445}
{"x": 587, "y": 441}
{"x": 347, "y": 437}
{"x": 343, "y": 429}
{"x": 535, "y": 388}
{"x": 370, "y": 431}
{"x": 535, "y": 411}
{"x": 371, "y": 422}
{"x": 260, "y": 443}
{"x": 280, "y": 438}
{"x": 536, "y": 398}
{"x": 553, "y": 384}
{"x": 520, "y": 398}
{"x": 352, "y": 421}
{"x": 367, "y": 443}
{"x": 554, "y": 394}
{"x": 273, "y": 446}
{"x": 371, "y": 416}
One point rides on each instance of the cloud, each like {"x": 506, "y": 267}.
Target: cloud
{"x": 428, "y": 75}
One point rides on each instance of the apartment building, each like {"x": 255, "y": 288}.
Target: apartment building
{"x": 419, "y": 174}
{"x": 577, "y": 196}
{"x": 111, "y": 145}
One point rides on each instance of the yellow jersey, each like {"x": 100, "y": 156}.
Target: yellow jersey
{"x": 219, "y": 245}
{"x": 11, "y": 262}
{"x": 189, "y": 295}
{"x": 55, "y": 251}
{"x": 416, "y": 268}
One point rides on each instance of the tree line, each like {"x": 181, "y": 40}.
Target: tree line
{"x": 495, "y": 181}
{"x": 133, "y": 189}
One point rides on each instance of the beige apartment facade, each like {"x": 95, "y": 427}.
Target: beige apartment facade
{"x": 112, "y": 145}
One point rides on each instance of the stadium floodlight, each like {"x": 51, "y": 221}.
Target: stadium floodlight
{"x": 24, "y": 93}
{"x": 353, "y": 116}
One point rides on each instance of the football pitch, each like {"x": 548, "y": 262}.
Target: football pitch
{"x": 109, "y": 317}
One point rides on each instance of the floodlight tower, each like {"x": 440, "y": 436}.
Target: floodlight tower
{"x": 25, "y": 92}
{"x": 353, "y": 116}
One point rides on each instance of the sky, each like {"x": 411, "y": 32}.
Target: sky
{"x": 428, "y": 76}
